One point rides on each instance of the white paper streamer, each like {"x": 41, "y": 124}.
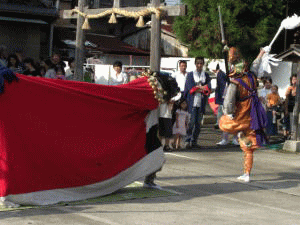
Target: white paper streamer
{"x": 268, "y": 60}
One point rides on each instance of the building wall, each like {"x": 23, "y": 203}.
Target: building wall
{"x": 24, "y": 36}
{"x": 281, "y": 76}
{"x": 170, "y": 46}
{"x": 126, "y": 60}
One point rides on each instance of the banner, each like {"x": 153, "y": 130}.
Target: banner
{"x": 58, "y": 136}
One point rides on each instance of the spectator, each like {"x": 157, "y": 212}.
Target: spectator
{"x": 42, "y": 67}
{"x": 3, "y": 55}
{"x": 290, "y": 98}
{"x": 70, "y": 71}
{"x": 180, "y": 75}
{"x": 219, "y": 98}
{"x": 181, "y": 123}
{"x": 60, "y": 73}
{"x": 19, "y": 53}
{"x": 50, "y": 69}
{"x": 57, "y": 62}
{"x": 262, "y": 94}
{"x": 118, "y": 77}
{"x": 165, "y": 123}
{"x": 13, "y": 63}
{"x": 30, "y": 68}
{"x": 197, "y": 88}
{"x": 273, "y": 101}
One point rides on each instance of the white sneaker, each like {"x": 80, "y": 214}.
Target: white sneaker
{"x": 223, "y": 142}
{"x": 152, "y": 185}
{"x": 235, "y": 142}
{"x": 245, "y": 178}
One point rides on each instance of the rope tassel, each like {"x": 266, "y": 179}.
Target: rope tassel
{"x": 86, "y": 25}
{"x": 112, "y": 18}
{"x": 140, "y": 22}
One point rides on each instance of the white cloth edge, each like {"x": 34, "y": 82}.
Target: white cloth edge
{"x": 147, "y": 165}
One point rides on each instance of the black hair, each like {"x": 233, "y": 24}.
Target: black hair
{"x": 182, "y": 61}
{"x": 3, "y": 49}
{"x": 71, "y": 60}
{"x": 169, "y": 84}
{"x": 291, "y": 78}
{"x": 59, "y": 68}
{"x": 12, "y": 56}
{"x": 267, "y": 79}
{"x": 117, "y": 64}
{"x": 218, "y": 67}
{"x": 29, "y": 60}
{"x": 49, "y": 63}
{"x": 180, "y": 102}
{"x": 199, "y": 58}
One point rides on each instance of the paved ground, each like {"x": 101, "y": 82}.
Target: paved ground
{"x": 209, "y": 193}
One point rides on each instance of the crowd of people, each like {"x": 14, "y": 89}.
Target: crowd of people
{"x": 181, "y": 118}
{"x": 279, "y": 110}
{"x": 53, "y": 67}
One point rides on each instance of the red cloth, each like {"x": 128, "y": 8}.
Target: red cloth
{"x": 58, "y": 133}
{"x": 206, "y": 90}
{"x": 214, "y": 107}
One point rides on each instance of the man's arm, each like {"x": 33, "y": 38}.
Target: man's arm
{"x": 187, "y": 86}
{"x": 208, "y": 81}
{"x": 256, "y": 63}
{"x": 230, "y": 99}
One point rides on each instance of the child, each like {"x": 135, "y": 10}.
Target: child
{"x": 181, "y": 123}
{"x": 273, "y": 101}
{"x": 165, "y": 124}
{"x": 60, "y": 73}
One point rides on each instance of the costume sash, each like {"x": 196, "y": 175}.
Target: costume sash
{"x": 257, "y": 112}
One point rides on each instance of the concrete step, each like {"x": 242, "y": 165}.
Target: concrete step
{"x": 209, "y": 119}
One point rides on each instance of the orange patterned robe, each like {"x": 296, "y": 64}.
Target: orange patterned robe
{"x": 241, "y": 122}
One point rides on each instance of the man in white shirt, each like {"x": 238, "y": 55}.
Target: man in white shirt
{"x": 180, "y": 75}
{"x": 118, "y": 77}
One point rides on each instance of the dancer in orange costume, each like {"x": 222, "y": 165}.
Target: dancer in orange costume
{"x": 243, "y": 112}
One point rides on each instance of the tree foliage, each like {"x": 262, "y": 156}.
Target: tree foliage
{"x": 248, "y": 24}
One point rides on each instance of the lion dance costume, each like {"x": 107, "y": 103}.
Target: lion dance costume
{"x": 64, "y": 141}
{"x": 243, "y": 113}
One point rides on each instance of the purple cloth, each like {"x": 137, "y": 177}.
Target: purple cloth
{"x": 257, "y": 112}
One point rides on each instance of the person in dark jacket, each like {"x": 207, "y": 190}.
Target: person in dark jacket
{"x": 196, "y": 91}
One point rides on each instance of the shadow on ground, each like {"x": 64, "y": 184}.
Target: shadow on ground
{"x": 225, "y": 185}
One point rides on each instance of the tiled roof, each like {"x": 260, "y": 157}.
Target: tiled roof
{"x": 104, "y": 43}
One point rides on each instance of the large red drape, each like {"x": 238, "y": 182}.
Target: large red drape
{"x": 59, "y": 134}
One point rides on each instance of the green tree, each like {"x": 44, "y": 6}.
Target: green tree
{"x": 248, "y": 24}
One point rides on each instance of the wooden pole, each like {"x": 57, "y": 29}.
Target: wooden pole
{"x": 296, "y": 111}
{"x": 155, "y": 50}
{"x": 80, "y": 40}
{"x": 116, "y": 4}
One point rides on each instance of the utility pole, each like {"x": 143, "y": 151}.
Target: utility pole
{"x": 80, "y": 40}
{"x": 155, "y": 50}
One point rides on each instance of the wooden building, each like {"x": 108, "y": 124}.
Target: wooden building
{"x": 27, "y": 26}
